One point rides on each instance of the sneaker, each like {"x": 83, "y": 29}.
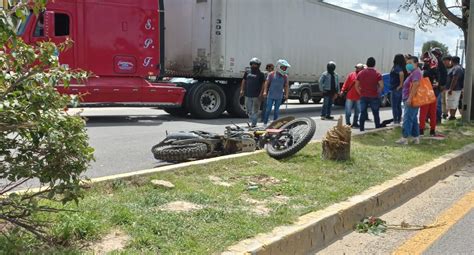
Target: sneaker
{"x": 452, "y": 118}
{"x": 329, "y": 117}
{"x": 445, "y": 115}
{"x": 416, "y": 140}
{"x": 402, "y": 141}
{"x": 323, "y": 118}
{"x": 355, "y": 126}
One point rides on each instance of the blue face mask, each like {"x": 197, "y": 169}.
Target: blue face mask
{"x": 410, "y": 67}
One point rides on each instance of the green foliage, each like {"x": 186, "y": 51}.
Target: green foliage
{"x": 39, "y": 140}
{"x": 434, "y": 44}
{"x": 372, "y": 225}
{"x": 427, "y": 12}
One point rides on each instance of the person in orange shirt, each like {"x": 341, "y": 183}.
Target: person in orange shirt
{"x": 352, "y": 97}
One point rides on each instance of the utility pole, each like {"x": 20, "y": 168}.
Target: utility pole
{"x": 457, "y": 46}
{"x": 468, "y": 106}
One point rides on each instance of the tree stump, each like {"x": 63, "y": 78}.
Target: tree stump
{"x": 337, "y": 142}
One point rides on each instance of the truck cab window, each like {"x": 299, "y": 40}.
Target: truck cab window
{"x": 61, "y": 24}
{"x": 39, "y": 28}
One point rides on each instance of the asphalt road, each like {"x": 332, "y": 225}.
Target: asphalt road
{"x": 458, "y": 240}
{"x": 122, "y": 137}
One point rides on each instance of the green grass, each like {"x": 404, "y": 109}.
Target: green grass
{"x": 308, "y": 182}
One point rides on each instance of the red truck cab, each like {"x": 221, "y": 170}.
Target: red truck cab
{"x": 119, "y": 41}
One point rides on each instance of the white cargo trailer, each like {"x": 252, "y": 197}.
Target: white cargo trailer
{"x": 213, "y": 41}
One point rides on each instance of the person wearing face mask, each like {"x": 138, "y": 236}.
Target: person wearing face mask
{"x": 410, "y": 117}
{"x": 329, "y": 85}
{"x": 276, "y": 89}
{"x": 352, "y": 97}
{"x": 251, "y": 88}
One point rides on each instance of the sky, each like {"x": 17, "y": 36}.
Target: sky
{"x": 387, "y": 10}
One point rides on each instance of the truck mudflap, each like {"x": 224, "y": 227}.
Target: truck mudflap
{"x": 126, "y": 91}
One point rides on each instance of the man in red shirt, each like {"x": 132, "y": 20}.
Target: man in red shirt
{"x": 352, "y": 97}
{"x": 369, "y": 84}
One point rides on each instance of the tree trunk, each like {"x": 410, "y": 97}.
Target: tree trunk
{"x": 337, "y": 142}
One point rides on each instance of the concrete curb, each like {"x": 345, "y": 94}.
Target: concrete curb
{"x": 316, "y": 230}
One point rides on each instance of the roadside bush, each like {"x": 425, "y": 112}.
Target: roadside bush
{"x": 39, "y": 141}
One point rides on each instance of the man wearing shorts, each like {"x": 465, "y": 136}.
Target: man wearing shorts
{"x": 456, "y": 85}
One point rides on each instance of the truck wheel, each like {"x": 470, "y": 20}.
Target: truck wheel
{"x": 206, "y": 101}
{"x": 316, "y": 100}
{"x": 304, "y": 97}
{"x": 236, "y": 104}
{"x": 177, "y": 112}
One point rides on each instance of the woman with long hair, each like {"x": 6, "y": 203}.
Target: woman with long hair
{"x": 397, "y": 77}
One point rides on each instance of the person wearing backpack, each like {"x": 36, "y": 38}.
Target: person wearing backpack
{"x": 251, "y": 88}
{"x": 352, "y": 97}
{"x": 276, "y": 89}
{"x": 329, "y": 85}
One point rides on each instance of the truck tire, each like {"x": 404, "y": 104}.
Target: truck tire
{"x": 236, "y": 103}
{"x": 177, "y": 112}
{"x": 179, "y": 153}
{"x": 206, "y": 101}
{"x": 316, "y": 100}
{"x": 305, "y": 97}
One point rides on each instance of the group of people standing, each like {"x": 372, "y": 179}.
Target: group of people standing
{"x": 362, "y": 90}
{"x": 363, "y": 87}
{"x": 271, "y": 88}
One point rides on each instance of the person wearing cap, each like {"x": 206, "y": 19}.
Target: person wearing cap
{"x": 251, "y": 88}
{"x": 352, "y": 97}
{"x": 329, "y": 85}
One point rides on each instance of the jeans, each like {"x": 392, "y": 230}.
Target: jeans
{"x": 439, "y": 108}
{"x": 410, "y": 122}
{"x": 327, "y": 105}
{"x": 350, "y": 104}
{"x": 268, "y": 110}
{"x": 374, "y": 103}
{"x": 397, "y": 106}
{"x": 253, "y": 106}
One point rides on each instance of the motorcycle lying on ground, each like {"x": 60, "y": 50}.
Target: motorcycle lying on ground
{"x": 282, "y": 138}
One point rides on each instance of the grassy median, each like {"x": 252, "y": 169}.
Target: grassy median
{"x": 224, "y": 202}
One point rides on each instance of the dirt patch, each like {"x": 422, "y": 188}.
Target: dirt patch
{"x": 280, "y": 199}
{"x": 218, "y": 181}
{"x": 258, "y": 207}
{"x": 265, "y": 180}
{"x": 114, "y": 241}
{"x": 180, "y": 206}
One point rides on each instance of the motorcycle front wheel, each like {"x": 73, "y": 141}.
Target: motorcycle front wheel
{"x": 179, "y": 153}
{"x": 293, "y": 137}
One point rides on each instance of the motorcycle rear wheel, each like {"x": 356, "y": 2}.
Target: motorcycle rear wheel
{"x": 179, "y": 153}
{"x": 300, "y": 132}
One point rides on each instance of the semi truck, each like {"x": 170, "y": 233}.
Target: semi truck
{"x": 189, "y": 56}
